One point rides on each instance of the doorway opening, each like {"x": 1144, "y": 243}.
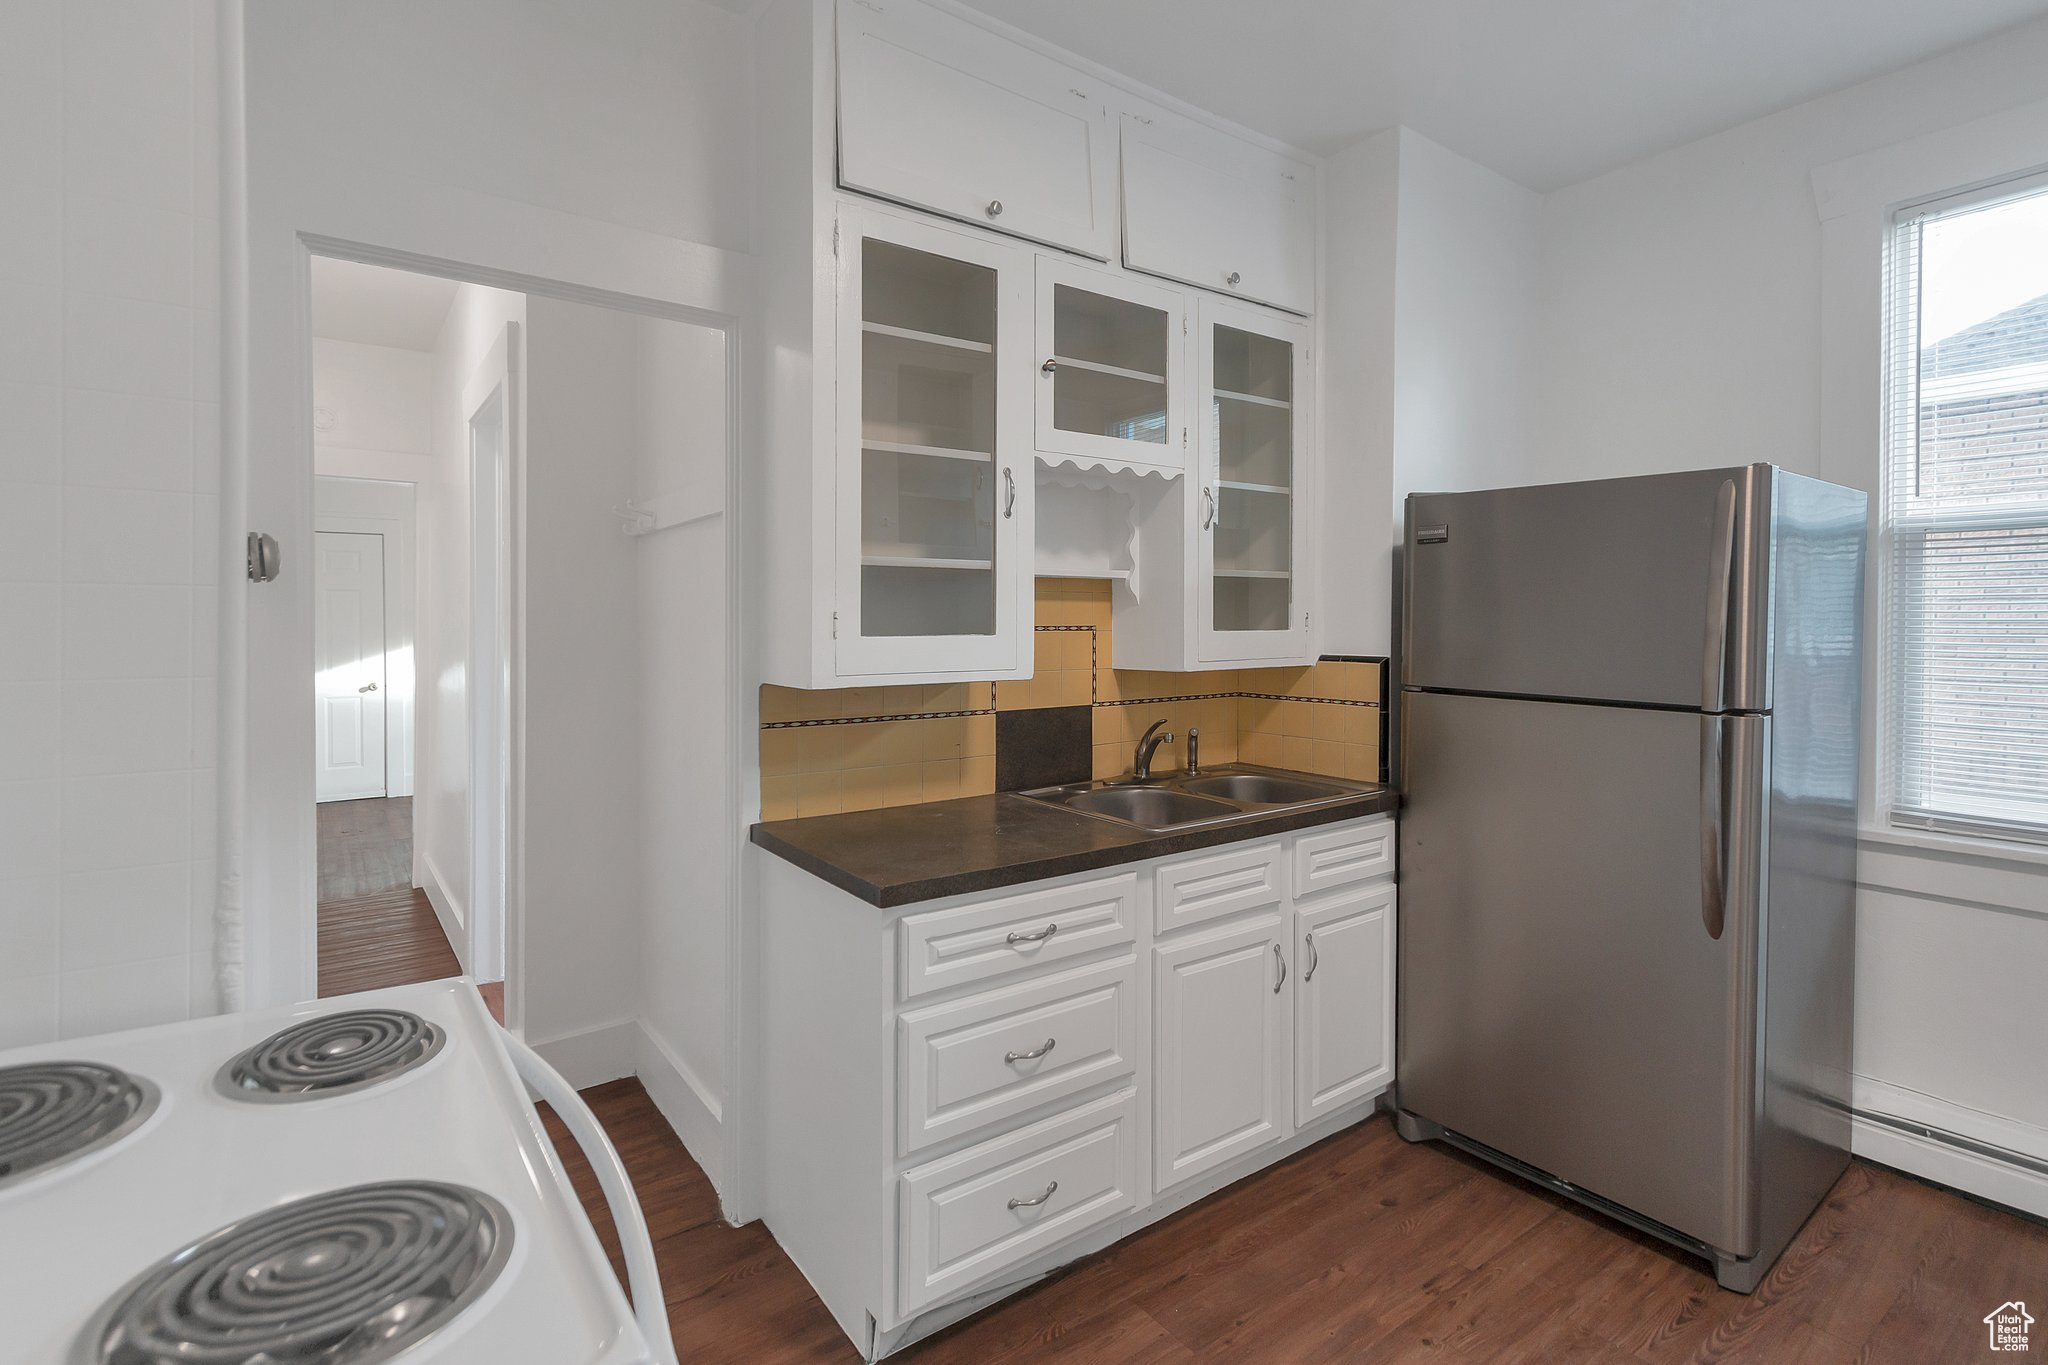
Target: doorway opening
{"x": 552, "y": 813}
{"x": 384, "y": 437}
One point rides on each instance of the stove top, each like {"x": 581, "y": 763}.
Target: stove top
{"x": 55, "y": 1112}
{"x": 390, "y": 1195}
{"x": 350, "y": 1277}
{"x": 332, "y": 1054}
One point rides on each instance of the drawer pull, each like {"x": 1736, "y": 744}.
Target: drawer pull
{"x": 1016, "y": 1204}
{"x": 1014, "y": 1057}
{"x": 1038, "y": 936}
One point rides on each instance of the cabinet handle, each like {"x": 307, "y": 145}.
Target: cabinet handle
{"x": 1314, "y": 957}
{"x": 1015, "y": 1057}
{"x": 1049, "y": 366}
{"x": 1280, "y": 962}
{"x": 1036, "y": 936}
{"x": 995, "y": 208}
{"x": 1009, "y": 494}
{"x": 1232, "y": 278}
{"x": 1208, "y": 509}
{"x": 1016, "y": 1204}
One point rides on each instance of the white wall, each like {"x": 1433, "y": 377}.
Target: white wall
{"x": 582, "y": 756}
{"x": 685, "y": 827}
{"x": 373, "y": 411}
{"x": 110, "y": 544}
{"x": 1429, "y": 376}
{"x": 441, "y": 805}
{"x": 511, "y": 142}
{"x": 1682, "y": 294}
{"x": 1465, "y": 324}
{"x": 1361, "y": 189}
{"x": 1688, "y": 321}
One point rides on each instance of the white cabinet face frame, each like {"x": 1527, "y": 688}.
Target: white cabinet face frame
{"x": 1221, "y": 1047}
{"x": 933, "y": 397}
{"x": 1344, "y": 1000}
{"x": 1213, "y": 210}
{"x": 938, "y": 112}
{"x": 1256, "y": 485}
{"x": 1112, "y": 375}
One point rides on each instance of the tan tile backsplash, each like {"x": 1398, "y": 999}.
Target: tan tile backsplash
{"x": 869, "y": 747}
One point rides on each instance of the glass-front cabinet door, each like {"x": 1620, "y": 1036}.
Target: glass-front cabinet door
{"x": 1253, "y": 503}
{"x": 1112, "y": 384}
{"x": 934, "y": 495}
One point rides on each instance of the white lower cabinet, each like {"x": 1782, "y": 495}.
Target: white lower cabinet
{"x": 1344, "y": 1000}
{"x": 963, "y": 1095}
{"x": 969, "y": 1215}
{"x": 1221, "y": 1047}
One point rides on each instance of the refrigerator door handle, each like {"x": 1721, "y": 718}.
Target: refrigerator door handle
{"x": 1720, "y": 581}
{"x": 1713, "y": 829}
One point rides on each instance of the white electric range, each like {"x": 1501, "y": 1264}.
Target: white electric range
{"x": 347, "y": 1182}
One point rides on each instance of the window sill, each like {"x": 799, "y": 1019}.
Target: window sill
{"x": 1888, "y": 838}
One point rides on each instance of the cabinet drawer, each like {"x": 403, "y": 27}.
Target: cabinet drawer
{"x": 972, "y": 1062}
{"x": 1066, "y": 1174}
{"x": 1212, "y": 885}
{"x": 1356, "y": 853}
{"x": 969, "y": 943}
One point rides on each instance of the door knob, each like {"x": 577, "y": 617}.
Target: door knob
{"x": 367, "y": 687}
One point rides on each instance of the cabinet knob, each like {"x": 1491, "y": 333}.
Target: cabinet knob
{"x": 1048, "y": 367}
{"x": 995, "y": 208}
{"x": 1232, "y": 278}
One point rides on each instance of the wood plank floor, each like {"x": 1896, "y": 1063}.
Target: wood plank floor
{"x": 375, "y": 927}
{"x": 1361, "y": 1249}
{"x": 1365, "y": 1249}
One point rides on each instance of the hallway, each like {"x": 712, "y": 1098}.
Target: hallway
{"x": 376, "y": 928}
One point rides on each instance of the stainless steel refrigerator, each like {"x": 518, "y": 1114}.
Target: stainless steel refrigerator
{"x": 1629, "y": 727}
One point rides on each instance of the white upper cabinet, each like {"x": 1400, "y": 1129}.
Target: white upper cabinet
{"x": 934, "y": 478}
{"x": 1256, "y": 484}
{"x": 1112, "y": 380}
{"x": 943, "y": 114}
{"x": 1217, "y": 212}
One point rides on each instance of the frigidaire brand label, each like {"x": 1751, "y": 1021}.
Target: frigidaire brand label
{"x": 1432, "y": 535}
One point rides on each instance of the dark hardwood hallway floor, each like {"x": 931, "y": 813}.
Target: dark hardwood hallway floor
{"x": 1364, "y": 1248}
{"x": 376, "y": 928}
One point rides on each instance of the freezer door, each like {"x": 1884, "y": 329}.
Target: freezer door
{"x": 1649, "y": 590}
{"x": 1578, "y": 946}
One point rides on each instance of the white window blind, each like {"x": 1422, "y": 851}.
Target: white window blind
{"x": 1966, "y": 514}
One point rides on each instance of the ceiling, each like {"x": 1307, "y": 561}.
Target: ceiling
{"x": 1545, "y": 92}
{"x": 379, "y": 306}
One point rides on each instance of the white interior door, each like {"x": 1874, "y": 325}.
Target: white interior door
{"x": 350, "y": 678}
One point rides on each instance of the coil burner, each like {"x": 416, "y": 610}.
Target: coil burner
{"x": 350, "y": 1277}
{"x": 54, "y": 1112}
{"x": 330, "y": 1055}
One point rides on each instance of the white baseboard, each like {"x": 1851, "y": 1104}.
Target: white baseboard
{"x": 1939, "y": 1158}
{"x": 592, "y": 1056}
{"x": 447, "y": 909}
{"x": 628, "y": 1047}
{"x": 683, "y": 1100}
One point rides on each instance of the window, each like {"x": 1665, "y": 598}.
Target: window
{"x": 1966, "y": 514}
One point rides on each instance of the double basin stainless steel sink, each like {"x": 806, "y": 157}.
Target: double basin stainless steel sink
{"x": 1216, "y": 796}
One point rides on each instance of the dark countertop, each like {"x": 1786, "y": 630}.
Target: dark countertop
{"x": 946, "y": 848}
